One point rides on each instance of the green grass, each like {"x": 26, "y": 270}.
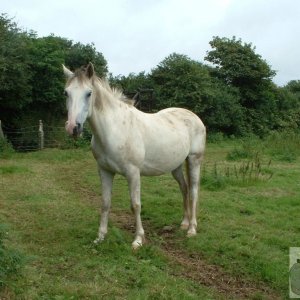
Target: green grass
{"x": 54, "y": 225}
{"x": 51, "y": 200}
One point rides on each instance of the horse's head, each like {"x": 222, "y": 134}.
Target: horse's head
{"x": 79, "y": 93}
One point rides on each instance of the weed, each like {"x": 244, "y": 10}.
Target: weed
{"x": 247, "y": 172}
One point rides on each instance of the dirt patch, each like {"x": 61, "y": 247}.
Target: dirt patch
{"x": 196, "y": 268}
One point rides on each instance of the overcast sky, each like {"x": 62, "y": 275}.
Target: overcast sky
{"x": 135, "y": 35}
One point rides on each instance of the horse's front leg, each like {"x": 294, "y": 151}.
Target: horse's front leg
{"x": 134, "y": 183}
{"x": 106, "y": 182}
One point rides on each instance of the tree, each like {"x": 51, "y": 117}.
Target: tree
{"x": 179, "y": 81}
{"x": 294, "y": 87}
{"x": 31, "y": 77}
{"x": 133, "y": 82}
{"x": 289, "y": 105}
{"x": 15, "y": 90}
{"x": 183, "y": 82}
{"x": 238, "y": 65}
{"x": 78, "y": 55}
{"x": 47, "y": 56}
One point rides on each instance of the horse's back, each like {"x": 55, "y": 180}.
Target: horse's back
{"x": 169, "y": 136}
{"x": 191, "y": 123}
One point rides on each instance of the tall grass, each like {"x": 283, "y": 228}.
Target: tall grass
{"x": 247, "y": 172}
{"x": 284, "y": 146}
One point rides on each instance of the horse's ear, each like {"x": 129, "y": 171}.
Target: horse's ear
{"x": 67, "y": 72}
{"x": 90, "y": 70}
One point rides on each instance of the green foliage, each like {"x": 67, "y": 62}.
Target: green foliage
{"x": 238, "y": 65}
{"x": 288, "y": 98}
{"x": 47, "y": 57}
{"x": 132, "y": 82}
{"x": 236, "y": 96}
{"x": 215, "y": 137}
{"x": 294, "y": 87}
{"x": 82, "y": 142}
{"x": 80, "y": 55}
{"x": 11, "y": 261}
{"x": 31, "y": 77}
{"x": 15, "y": 73}
{"x": 182, "y": 82}
{"x": 179, "y": 81}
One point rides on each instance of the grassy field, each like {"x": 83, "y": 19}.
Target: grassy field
{"x": 248, "y": 217}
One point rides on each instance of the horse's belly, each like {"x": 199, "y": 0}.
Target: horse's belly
{"x": 163, "y": 162}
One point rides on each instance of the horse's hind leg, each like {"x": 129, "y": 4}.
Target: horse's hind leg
{"x": 179, "y": 177}
{"x": 194, "y": 162}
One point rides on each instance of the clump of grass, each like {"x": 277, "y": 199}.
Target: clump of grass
{"x": 11, "y": 260}
{"x": 213, "y": 179}
{"x": 251, "y": 171}
{"x": 247, "y": 172}
{"x": 248, "y": 149}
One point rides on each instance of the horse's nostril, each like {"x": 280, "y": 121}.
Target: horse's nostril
{"x": 78, "y": 125}
{"x": 75, "y": 130}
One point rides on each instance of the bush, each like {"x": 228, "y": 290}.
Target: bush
{"x": 215, "y": 137}
{"x": 82, "y": 142}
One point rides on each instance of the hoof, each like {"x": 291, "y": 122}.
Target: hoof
{"x": 136, "y": 245}
{"x": 184, "y": 226}
{"x": 98, "y": 240}
{"x": 191, "y": 232}
{"x": 138, "y": 242}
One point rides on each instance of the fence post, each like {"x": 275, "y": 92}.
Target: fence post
{"x": 41, "y": 135}
{"x": 1, "y": 132}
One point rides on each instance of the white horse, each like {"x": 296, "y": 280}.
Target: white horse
{"x": 133, "y": 143}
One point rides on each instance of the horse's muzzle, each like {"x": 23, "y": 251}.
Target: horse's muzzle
{"x": 74, "y": 130}
{"x": 77, "y": 130}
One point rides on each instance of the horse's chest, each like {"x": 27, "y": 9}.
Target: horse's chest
{"x": 115, "y": 158}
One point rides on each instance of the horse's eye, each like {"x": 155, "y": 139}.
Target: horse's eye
{"x": 66, "y": 93}
{"x": 89, "y": 94}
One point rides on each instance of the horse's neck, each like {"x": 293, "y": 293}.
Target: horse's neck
{"x": 111, "y": 115}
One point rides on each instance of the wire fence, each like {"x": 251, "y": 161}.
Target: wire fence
{"x": 39, "y": 136}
